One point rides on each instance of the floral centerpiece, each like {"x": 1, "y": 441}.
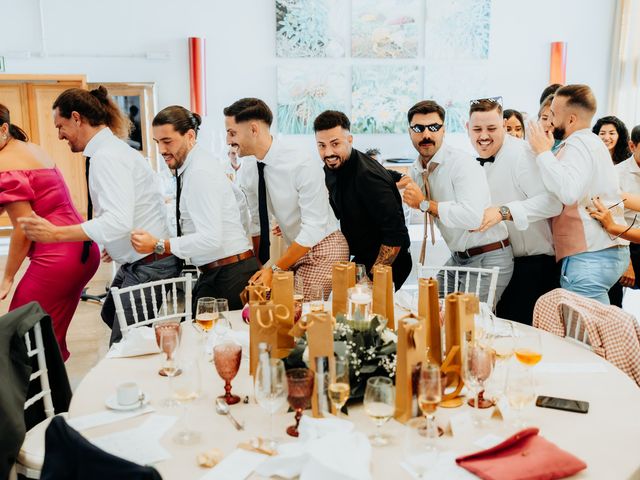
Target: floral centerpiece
{"x": 369, "y": 346}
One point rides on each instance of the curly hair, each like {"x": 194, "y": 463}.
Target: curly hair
{"x": 621, "y": 149}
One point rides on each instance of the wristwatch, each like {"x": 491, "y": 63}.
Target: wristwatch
{"x": 424, "y": 206}
{"x": 505, "y": 212}
{"x": 275, "y": 268}
{"x": 159, "y": 248}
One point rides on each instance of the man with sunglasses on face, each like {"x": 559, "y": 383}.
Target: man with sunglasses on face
{"x": 520, "y": 201}
{"x": 448, "y": 185}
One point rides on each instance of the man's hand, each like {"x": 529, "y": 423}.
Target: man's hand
{"x": 412, "y": 195}
{"x": 276, "y": 231}
{"x": 602, "y": 214}
{"x": 5, "y": 287}
{"x": 105, "y": 257}
{"x": 403, "y": 182}
{"x": 539, "y": 140}
{"x": 628, "y": 278}
{"x": 37, "y": 229}
{"x": 262, "y": 277}
{"x": 143, "y": 242}
{"x": 491, "y": 217}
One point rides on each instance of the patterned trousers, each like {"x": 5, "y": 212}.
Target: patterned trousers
{"x": 316, "y": 266}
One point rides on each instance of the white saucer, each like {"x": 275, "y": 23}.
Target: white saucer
{"x": 112, "y": 403}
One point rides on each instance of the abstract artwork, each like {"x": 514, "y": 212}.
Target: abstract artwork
{"x": 450, "y": 85}
{"x": 386, "y": 28}
{"x": 457, "y": 29}
{"x": 305, "y": 92}
{"x": 310, "y": 28}
{"x": 381, "y": 97}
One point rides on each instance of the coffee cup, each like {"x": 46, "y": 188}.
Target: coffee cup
{"x": 128, "y": 393}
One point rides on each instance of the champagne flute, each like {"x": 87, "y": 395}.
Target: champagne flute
{"x": 226, "y": 358}
{"x": 271, "y": 390}
{"x": 379, "y": 404}
{"x": 429, "y": 396}
{"x": 166, "y": 326}
{"x": 316, "y": 298}
{"x": 206, "y": 313}
{"x": 298, "y": 297}
{"x": 339, "y": 387}
{"x": 529, "y": 348}
{"x": 520, "y": 391}
{"x": 418, "y": 452}
{"x": 477, "y": 365}
{"x": 186, "y": 389}
{"x": 300, "y": 382}
{"x": 223, "y": 325}
{"x": 502, "y": 342}
{"x": 169, "y": 341}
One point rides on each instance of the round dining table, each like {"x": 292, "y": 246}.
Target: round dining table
{"x": 607, "y": 438}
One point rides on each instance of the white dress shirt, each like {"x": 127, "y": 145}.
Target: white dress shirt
{"x": 629, "y": 177}
{"x": 209, "y": 212}
{"x": 296, "y": 194}
{"x": 125, "y": 196}
{"x": 460, "y": 187}
{"x": 514, "y": 180}
{"x": 582, "y": 170}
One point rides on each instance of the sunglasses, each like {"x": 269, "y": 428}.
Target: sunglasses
{"x": 432, "y": 127}
{"x": 497, "y": 100}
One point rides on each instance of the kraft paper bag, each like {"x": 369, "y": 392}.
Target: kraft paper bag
{"x": 282, "y": 294}
{"x": 429, "y": 309}
{"x": 267, "y": 321}
{"x": 383, "y": 294}
{"x": 343, "y": 278}
{"x": 255, "y": 293}
{"x": 319, "y": 328}
{"x": 411, "y": 352}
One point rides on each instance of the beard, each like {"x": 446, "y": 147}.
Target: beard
{"x": 559, "y": 132}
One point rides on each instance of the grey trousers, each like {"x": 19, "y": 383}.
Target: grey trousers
{"x": 131, "y": 274}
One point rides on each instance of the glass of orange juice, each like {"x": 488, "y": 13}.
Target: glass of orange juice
{"x": 528, "y": 349}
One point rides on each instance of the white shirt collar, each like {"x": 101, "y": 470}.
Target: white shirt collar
{"x": 187, "y": 161}
{"x": 271, "y": 153}
{"x": 96, "y": 141}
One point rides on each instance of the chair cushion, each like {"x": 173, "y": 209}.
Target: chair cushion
{"x": 32, "y": 451}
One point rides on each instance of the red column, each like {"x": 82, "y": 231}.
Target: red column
{"x": 198, "y": 77}
{"x": 558, "y": 66}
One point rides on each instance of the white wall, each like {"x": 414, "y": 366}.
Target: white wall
{"x": 105, "y": 40}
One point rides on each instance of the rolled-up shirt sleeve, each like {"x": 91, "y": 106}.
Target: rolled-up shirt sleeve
{"x": 116, "y": 202}
{"x": 202, "y": 195}
{"x": 313, "y": 204}
{"x": 473, "y": 196}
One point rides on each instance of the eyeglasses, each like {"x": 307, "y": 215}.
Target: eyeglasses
{"x": 419, "y": 128}
{"x": 497, "y": 100}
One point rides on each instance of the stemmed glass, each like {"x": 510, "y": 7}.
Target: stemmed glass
{"x": 339, "y": 387}
{"x": 186, "y": 389}
{"x": 300, "y": 382}
{"x": 167, "y": 326}
{"x": 361, "y": 274}
{"x": 502, "y": 342}
{"x": 379, "y": 404}
{"x": 226, "y": 358}
{"x": 223, "y": 325}
{"x": 477, "y": 365}
{"x": 316, "y": 298}
{"x": 418, "y": 450}
{"x": 206, "y": 313}
{"x": 529, "y": 348}
{"x": 298, "y": 297}
{"x": 169, "y": 341}
{"x": 271, "y": 389}
{"x": 429, "y": 396}
{"x": 520, "y": 391}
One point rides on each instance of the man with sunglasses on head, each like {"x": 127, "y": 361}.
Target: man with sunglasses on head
{"x": 520, "y": 201}
{"x": 449, "y": 186}
{"x": 364, "y": 197}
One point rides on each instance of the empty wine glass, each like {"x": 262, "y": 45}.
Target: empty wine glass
{"x": 339, "y": 387}
{"x": 418, "y": 448}
{"x": 520, "y": 391}
{"x": 186, "y": 388}
{"x": 166, "y": 326}
{"x": 379, "y": 404}
{"x": 300, "y": 382}
{"x": 477, "y": 365}
{"x": 169, "y": 341}
{"x": 226, "y": 358}
{"x": 429, "y": 396}
{"x": 206, "y": 313}
{"x": 223, "y": 325}
{"x": 271, "y": 389}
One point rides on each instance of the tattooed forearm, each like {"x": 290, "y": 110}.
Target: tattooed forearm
{"x": 387, "y": 255}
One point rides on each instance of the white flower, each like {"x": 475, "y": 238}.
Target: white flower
{"x": 305, "y": 355}
{"x": 388, "y": 336}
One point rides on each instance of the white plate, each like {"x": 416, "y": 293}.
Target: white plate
{"x": 112, "y": 403}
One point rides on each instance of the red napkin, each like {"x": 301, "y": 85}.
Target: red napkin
{"x": 523, "y": 456}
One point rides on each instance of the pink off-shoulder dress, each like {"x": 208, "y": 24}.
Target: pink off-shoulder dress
{"x": 56, "y": 275}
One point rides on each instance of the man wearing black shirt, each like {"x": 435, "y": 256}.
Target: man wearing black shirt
{"x": 364, "y": 198}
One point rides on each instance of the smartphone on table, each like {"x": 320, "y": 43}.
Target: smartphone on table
{"x": 578, "y": 406}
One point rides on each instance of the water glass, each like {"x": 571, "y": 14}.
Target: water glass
{"x": 379, "y": 404}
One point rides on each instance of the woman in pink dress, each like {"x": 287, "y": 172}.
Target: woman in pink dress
{"x": 57, "y": 272}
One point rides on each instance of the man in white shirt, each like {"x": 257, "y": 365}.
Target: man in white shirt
{"x": 123, "y": 194}
{"x": 210, "y": 231}
{"x": 450, "y": 186}
{"x": 581, "y": 169}
{"x": 520, "y": 201}
{"x": 288, "y": 184}
{"x": 629, "y": 176}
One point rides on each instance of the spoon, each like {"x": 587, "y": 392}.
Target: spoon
{"x": 222, "y": 408}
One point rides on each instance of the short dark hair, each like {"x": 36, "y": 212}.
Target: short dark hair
{"x": 424, "y": 108}
{"x": 508, "y": 113}
{"x": 580, "y": 96}
{"x": 635, "y": 135}
{"x": 550, "y": 90}
{"x": 182, "y": 119}
{"x": 621, "y": 150}
{"x": 485, "y": 105}
{"x": 247, "y": 109}
{"x": 14, "y": 130}
{"x": 330, "y": 119}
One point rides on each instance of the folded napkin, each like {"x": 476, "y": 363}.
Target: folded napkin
{"x": 240, "y": 337}
{"x": 525, "y": 455}
{"x": 139, "y": 341}
{"x": 327, "y": 448}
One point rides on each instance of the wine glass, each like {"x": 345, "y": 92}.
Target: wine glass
{"x": 226, "y": 358}
{"x": 163, "y": 326}
{"x": 300, "y": 382}
{"x": 361, "y": 275}
{"x": 223, "y": 325}
{"x": 271, "y": 389}
{"x": 316, "y": 298}
{"x": 169, "y": 341}
{"x": 186, "y": 388}
{"x": 339, "y": 387}
{"x": 502, "y": 342}
{"x": 520, "y": 391}
{"x": 206, "y": 313}
{"x": 429, "y": 396}
{"x": 418, "y": 450}
{"x": 298, "y": 297}
{"x": 529, "y": 348}
{"x": 477, "y": 365}
{"x": 379, "y": 404}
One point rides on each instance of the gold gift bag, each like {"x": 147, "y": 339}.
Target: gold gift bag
{"x": 411, "y": 352}
{"x": 282, "y": 294}
{"x": 255, "y": 293}
{"x": 266, "y": 321}
{"x": 429, "y": 309}
{"x": 344, "y": 277}
{"x": 383, "y": 294}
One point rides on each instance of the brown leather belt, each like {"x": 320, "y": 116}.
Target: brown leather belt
{"x": 472, "y": 252}
{"x": 152, "y": 257}
{"x": 226, "y": 261}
